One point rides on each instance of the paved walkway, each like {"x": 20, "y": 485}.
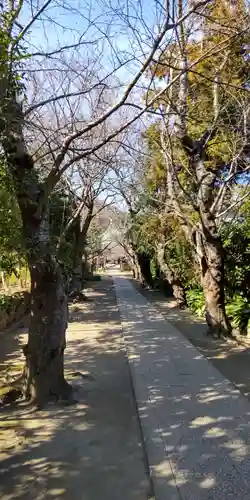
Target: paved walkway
{"x": 196, "y": 425}
{"x": 231, "y": 358}
{"x": 91, "y": 450}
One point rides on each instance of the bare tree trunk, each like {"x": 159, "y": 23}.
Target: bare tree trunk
{"x": 137, "y": 268}
{"x": 208, "y": 244}
{"x": 175, "y": 282}
{"x": 134, "y": 261}
{"x": 209, "y": 248}
{"x": 44, "y": 368}
{"x": 85, "y": 266}
{"x": 144, "y": 263}
{"x": 132, "y": 266}
{"x": 43, "y": 375}
{"x": 81, "y": 234}
{"x": 136, "y": 264}
{"x": 212, "y": 280}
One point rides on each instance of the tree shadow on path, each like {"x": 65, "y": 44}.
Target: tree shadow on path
{"x": 89, "y": 451}
{"x": 230, "y": 358}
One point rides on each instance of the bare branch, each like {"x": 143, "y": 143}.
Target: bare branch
{"x": 31, "y": 22}
{"x": 130, "y": 87}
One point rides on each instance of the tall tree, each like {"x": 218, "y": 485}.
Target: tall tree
{"x": 44, "y": 130}
{"x": 204, "y": 139}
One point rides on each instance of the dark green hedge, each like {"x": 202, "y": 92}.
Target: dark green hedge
{"x": 13, "y": 307}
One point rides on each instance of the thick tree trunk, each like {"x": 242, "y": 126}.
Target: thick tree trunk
{"x": 78, "y": 265}
{"x": 136, "y": 271}
{"x": 86, "y": 267}
{"x": 175, "y": 282}
{"x": 133, "y": 260}
{"x": 209, "y": 248}
{"x": 43, "y": 376}
{"x": 44, "y": 372}
{"x": 145, "y": 272}
{"x": 136, "y": 264}
{"x": 212, "y": 279}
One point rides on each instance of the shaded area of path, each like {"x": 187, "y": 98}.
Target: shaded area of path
{"x": 90, "y": 451}
{"x": 196, "y": 425}
{"x": 230, "y": 358}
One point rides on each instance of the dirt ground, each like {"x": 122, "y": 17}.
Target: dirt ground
{"x": 229, "y": 357}
{"x": 92, "y": 450}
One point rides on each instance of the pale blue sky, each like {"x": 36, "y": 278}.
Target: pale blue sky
{"x": 120, "y": 29}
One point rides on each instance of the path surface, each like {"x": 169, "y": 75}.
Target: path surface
{"x": 90, "y": 451}
{"x": 231, "y": 358}
{"x": 196, "y": 425}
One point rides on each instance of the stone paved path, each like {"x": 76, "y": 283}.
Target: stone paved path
{"x": 196, "y": 425}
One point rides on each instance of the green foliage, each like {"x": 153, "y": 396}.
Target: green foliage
{"x": 94, "y": 243}
{"x": 196, "y": 301}
{"x": 6, "y": 303}
{"x": 217, "y": 100}
{"x": 12, "y": 252}
{"x": 155, "y": 177}
{"x": 13, "y": 307}
{"x": 8, "y": 263}
{"x": 10, "y": 303}
{"x": 142, "y": 231}
{"x": 12, "y": 54}
{"x": 153, "y": 269}
{"x": 10, "y": 218}
{"x": 179, "y": 256}
{"x": 237, "y": 255}
{"x": 20, "y": 275}
{"x": 238, "y": 310}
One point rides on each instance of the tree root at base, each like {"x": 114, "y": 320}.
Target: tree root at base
{"x": 15, "y": 391}
{"x": 218, "y": 333}
{"x": 18, "y": 391}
